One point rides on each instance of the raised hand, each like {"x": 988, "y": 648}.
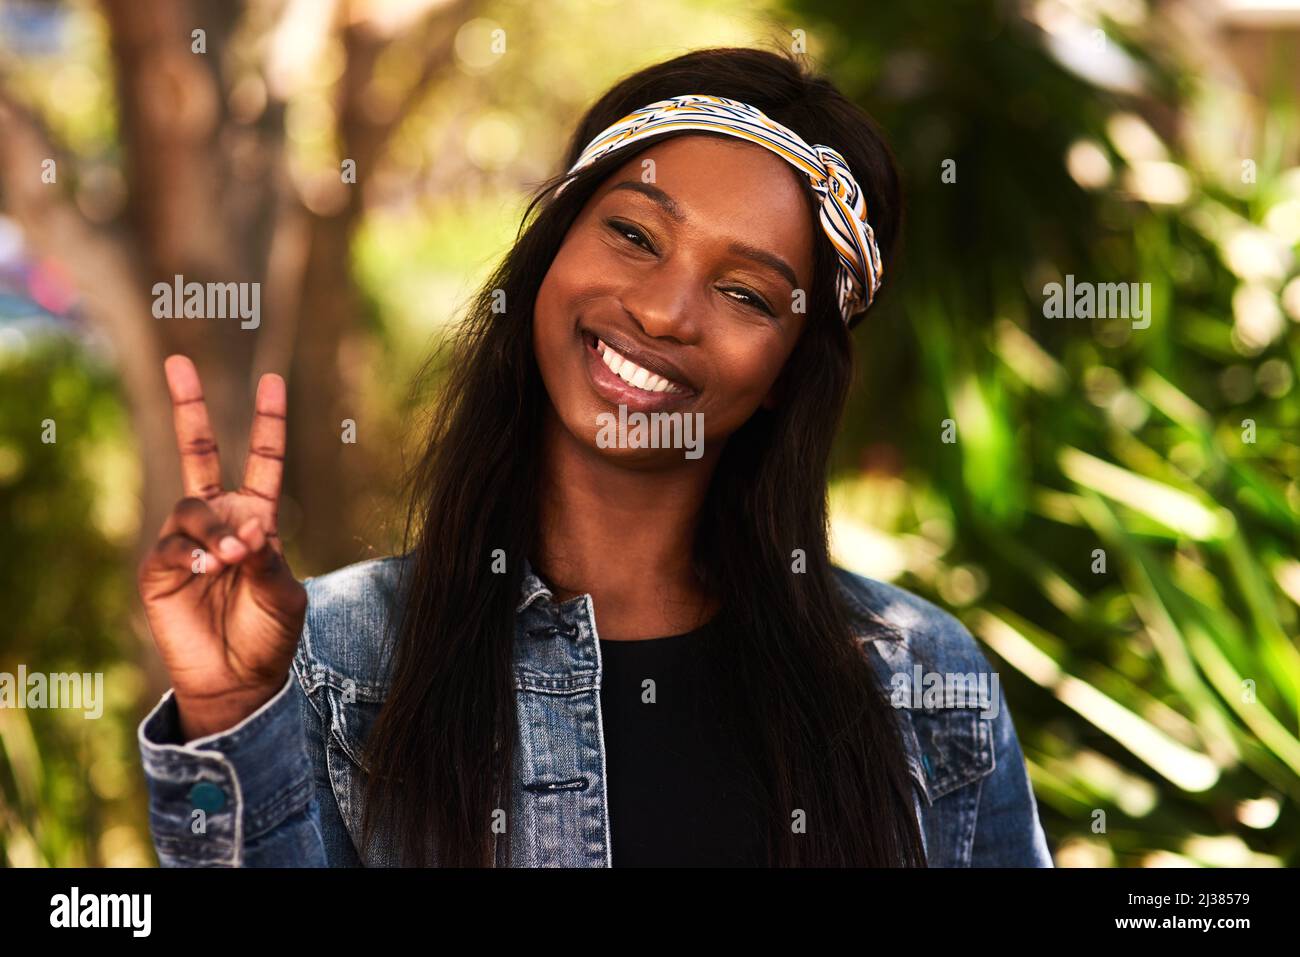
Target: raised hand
{"x": 224, "y": 608}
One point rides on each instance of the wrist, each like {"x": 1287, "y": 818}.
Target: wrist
{"x": 199, "y": 719}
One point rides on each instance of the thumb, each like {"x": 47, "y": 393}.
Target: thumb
{"x": 263, "y": 560}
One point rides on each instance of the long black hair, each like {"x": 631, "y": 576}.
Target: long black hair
{"x": 821, "y": 738}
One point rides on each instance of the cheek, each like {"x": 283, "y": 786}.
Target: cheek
{"x": 543, "y": 322}
{"x": 553, "y": 313}
{"x": 746, "y": 376}
{"x": 556, "y": 311}
{"x": 568, "y": 282}
{"x": 547, "y": 337}
{"x": 549, "y": 295}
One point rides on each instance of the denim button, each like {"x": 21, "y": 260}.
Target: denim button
{"x": 206, "y": 796}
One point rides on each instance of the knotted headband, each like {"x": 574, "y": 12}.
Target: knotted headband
{"x": 843, "y": 209}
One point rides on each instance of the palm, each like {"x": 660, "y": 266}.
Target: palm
{"x": 220, "y": 629}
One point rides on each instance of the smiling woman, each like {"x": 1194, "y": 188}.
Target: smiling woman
{"x": 598, "y": 653}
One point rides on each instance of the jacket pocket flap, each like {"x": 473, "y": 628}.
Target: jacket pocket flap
{"x": 956, "y": 747}
{"x": 351, "y": 719}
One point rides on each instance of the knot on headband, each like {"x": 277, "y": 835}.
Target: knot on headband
{"x": 843, "y": 210}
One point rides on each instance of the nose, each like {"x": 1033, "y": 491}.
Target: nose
{"x": 666, "y": 303}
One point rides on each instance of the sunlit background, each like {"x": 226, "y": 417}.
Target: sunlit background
{"x": 1117, "y": 520}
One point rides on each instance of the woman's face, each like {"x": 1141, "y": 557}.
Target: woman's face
{"x": 689, "y": 279}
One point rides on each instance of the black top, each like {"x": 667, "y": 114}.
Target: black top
{"x": 679, "y": 792}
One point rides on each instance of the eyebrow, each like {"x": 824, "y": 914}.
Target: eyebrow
{"x": 674, "y": 211}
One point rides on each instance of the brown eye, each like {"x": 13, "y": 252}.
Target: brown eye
{"x": 625, "y": 229}
{"x": 751, "y": 299}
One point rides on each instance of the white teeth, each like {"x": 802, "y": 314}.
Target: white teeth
{"x": 633, "y": 374}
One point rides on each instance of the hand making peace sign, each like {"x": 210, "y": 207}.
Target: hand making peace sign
{"x": 224, "y": 608}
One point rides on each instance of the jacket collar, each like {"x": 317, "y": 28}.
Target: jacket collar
{"x": 867, "y": 622}
{"x": 532, "y": 588}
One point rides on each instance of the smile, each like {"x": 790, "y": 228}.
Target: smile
{"x": 643, "y": 386}
{"x": 633, "y": 374}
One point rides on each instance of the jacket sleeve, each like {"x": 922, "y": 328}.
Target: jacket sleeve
{"x": 1008, "y": 832}
{"x": 255, "y": 795}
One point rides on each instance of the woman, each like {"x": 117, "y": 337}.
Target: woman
{"x": 602, "y": 648}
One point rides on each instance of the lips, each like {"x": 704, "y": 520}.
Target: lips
{"x": 642, "y": 381}
{"x": 634, "y": 375}
{"x": 625, "y": 352}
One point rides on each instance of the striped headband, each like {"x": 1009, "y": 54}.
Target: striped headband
{"x": 843, "y": 209}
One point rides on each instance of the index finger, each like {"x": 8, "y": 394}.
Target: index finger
{"x": 264, "y": 467}
{"x": 200, "y": 465}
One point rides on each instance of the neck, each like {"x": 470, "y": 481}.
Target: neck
{"x": 623, "y": 534}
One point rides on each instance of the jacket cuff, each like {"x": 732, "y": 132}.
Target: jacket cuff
{"x": 210, "y": 797}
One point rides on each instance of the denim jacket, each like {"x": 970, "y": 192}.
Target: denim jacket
{"x": 284, "y": 787}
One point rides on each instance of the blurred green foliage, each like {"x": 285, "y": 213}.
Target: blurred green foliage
{"x": 70, "y": 786}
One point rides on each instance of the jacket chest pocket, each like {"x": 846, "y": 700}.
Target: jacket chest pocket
{"x": 950, "y": 753}
{"x": 954, "y": 749}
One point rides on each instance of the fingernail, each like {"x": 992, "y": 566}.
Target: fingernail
{"x": 230, "y": 548}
